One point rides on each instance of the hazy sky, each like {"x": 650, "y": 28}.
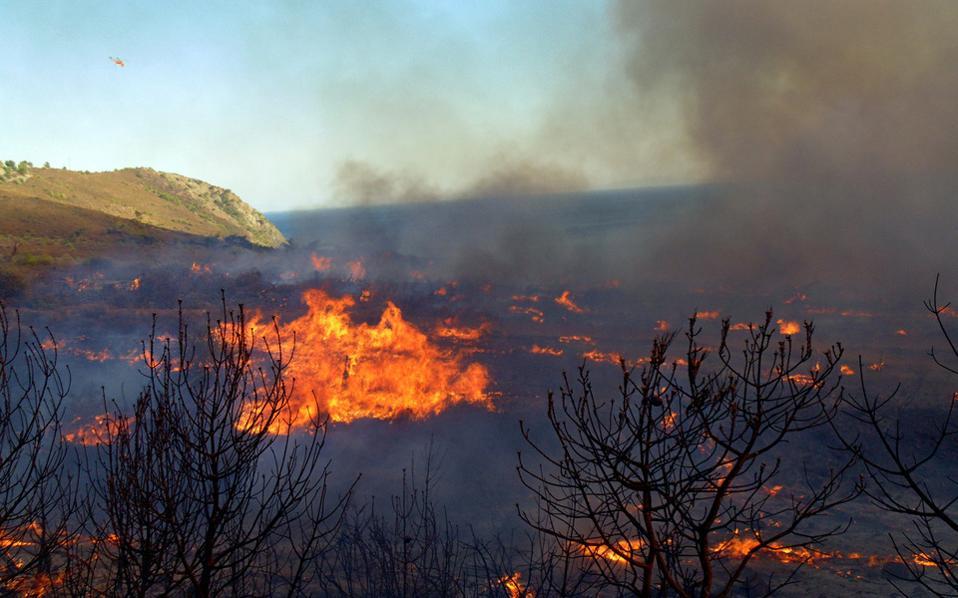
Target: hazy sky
{"x": 288, "y": 103}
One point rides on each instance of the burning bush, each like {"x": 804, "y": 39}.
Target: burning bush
{"x": 385, "y": 370}
{"x": 194, "y": 492}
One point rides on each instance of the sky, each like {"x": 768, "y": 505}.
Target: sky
{"x": 304, "y": 104}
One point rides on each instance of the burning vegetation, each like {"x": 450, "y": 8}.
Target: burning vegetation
{"x": 566, "y": 302}
{"x": 695, "y": 428}
{"x": 389, "y": 369}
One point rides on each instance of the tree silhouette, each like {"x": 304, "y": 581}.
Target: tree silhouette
{"x": 905, "y": 476}
{"x": 673, "y": 486}
{"x": 36, "y": 496}
{"x": 205, "y": 488}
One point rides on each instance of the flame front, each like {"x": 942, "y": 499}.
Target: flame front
{"x": 566, "y": 301}
{"x": 384, "y": 370}
{"x": 513, "y": 586}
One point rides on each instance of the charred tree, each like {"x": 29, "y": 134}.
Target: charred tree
{"x": 673, "y": 487}
{"x": 205, "y": 488}
{"x": 410, "y": 548}
{"x": 907, "y": 473}
{"x": 37, "y": 497}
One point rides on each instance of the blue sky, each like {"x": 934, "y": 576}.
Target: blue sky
{"x": 270, "y": 99}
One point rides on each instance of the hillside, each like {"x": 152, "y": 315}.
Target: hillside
{"x": 143, "y": 195}
{"x": 51, "y": 218}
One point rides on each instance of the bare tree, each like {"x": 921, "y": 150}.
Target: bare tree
{"x": 410, "y": 548}
{"x": 413, "y": 548}
{"x": 908, "y": 474}
{"x": 673, "y": 486}
{"x": 36, "y": 496}
{"x": 205, "y": 488}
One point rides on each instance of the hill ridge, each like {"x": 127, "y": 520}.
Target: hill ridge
{"x": 162, "y": 200}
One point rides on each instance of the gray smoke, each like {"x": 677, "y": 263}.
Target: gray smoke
{"x": 832, "y": 124}
{"x": 363, "y": 184}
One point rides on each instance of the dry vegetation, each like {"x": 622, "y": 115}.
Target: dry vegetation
{"x": 53, "y": 217}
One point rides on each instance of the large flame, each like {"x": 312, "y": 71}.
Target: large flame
{"x": 384, "y": 370}
{"x": 788, "y": 327}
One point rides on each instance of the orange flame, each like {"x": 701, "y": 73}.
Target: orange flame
{"x": 135, "y": 284}
{"x": 926, "y": 560}
{"x": 846, "y": 370}
{"x": 788, "y": 327}
{"x": 668, "y": 420}
{"x": 97, "y": 431}
{"x": 740, "y": 545}
{"x": 449, "y": 329}
{"x": 602, "y": 357}
{"x": 565, "y": 300}
{"x": 707, "y": 315}
{"x": 619, "y": 553}
{"x": 198, "y": 268}
{"x": 575, "y": 338}
{"x": 384, "y": 370}
{"x": 514, "y": 587}
{"x": 661, "y": 326}
{"x": 538, "y": 350}
{"x": 802, "y": 379}
{"x": 68, "y": 347}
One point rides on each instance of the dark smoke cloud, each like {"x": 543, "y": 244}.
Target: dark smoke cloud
{"x": 526, "y": 177}
{"x": 363, "y": 184}
{"x": 836, "y": 124}
{"x": 828, "y": 131}
{"x": 778, "y": 89}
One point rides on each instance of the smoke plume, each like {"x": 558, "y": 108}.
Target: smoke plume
{"x": 832, "y": 127}
{"x": 363, "y": 184}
